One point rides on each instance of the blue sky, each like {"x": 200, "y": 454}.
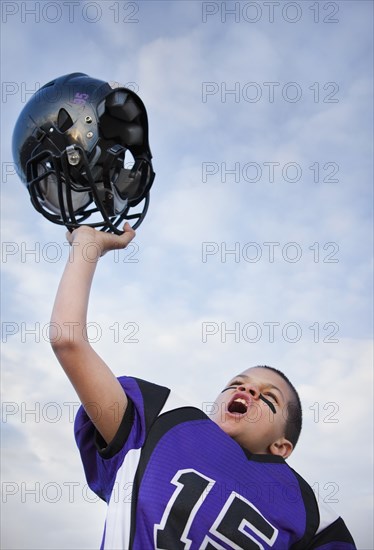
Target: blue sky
{"x": 257, "y": 248}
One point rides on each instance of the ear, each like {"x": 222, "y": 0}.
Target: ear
{"x": 282, "y": 447}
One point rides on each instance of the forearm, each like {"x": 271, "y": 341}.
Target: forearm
{"x": 69, "y": 315}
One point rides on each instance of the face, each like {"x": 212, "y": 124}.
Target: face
{"x": 252, "y": 409}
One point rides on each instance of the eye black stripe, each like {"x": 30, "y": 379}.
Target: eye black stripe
{"x": 229, "y": 388}
{"x": 269, "y": 403}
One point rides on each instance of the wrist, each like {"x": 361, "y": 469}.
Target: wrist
{"x": 87, "y": 250}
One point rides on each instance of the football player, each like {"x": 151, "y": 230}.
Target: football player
{"x": 197, "y": 482}
{"x": 192, "y": 482}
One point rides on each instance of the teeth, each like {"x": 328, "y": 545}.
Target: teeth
{"x": 239, "y": 400}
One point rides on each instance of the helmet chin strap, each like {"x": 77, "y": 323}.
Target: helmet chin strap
{"x": 111, "y": 199}
{"x": 119, "y": 204}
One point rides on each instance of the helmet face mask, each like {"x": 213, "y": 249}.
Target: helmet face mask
{"x": 82, "y": 150}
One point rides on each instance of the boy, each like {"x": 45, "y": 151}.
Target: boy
{"x": 197, "y": 483}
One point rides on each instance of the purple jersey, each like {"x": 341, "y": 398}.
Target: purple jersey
{"x": 173, "y": 480}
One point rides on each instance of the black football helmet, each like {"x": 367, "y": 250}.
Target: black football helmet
{"x": 71, "y": 146}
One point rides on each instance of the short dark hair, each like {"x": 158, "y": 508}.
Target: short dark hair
{"x": 294, "y": 417}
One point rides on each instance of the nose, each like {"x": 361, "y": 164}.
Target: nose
{"x": 250, "y": 388}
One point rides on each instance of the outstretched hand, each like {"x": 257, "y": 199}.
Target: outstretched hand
{"x": 86, "y": 235}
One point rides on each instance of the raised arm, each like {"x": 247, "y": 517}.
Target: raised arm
{"x": 98, "y": 389}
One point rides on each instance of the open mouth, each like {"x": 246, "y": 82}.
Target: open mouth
{"x": 238, "y": 406}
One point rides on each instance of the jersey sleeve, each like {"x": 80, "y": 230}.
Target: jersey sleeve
{"x": 100, "y": 461}
{"x": 324, "y": 529}
{"x": 332, "y": 533}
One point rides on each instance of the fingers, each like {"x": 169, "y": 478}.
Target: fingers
{"x": 120, "y": 241}
{"x": 106, "y": 241}
{"x": 129, "y": 231}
